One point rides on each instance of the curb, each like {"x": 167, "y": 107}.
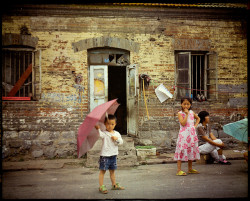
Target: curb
{"x": 153, "y": 162}
{"x": 168, "y": 158}
{"x": 71, "y": 163}
{"x": 41, "y": 164}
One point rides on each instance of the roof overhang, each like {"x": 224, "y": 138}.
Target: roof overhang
{"x": 124, "y": 10}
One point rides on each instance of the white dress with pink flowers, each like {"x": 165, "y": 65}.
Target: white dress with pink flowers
{"x": 187, "y": 143}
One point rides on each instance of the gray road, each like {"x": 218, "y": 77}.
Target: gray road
{"x": 142, "y": 182}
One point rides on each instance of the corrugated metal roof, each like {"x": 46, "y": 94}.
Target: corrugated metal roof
{"x": 202, "y": 5}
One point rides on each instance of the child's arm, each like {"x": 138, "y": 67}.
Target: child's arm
{"x": 182, "y": 120}
{"x": 99, "y": 130}
{"x": 114, "y": 138}
{"x": 117, "y": 139}
{"x": 197, "y": 120}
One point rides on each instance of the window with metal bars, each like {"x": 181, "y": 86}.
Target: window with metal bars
{"x": 20, "y": 74}
{"x": 196, "y": 75}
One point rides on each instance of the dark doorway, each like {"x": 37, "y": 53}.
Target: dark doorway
{"x": 117, "y": 89}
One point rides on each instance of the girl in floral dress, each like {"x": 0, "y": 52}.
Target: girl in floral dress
{"x": 187, "y": 148}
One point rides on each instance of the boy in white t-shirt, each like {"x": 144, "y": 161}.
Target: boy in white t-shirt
{"x": 110, "y": 141}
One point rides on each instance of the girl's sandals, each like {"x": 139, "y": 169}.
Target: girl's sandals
{"x": 193, "y": 171}
{"x": 181, "y": 173}
{"x": 103, "y": 189}
{"x": 117, "y": 187}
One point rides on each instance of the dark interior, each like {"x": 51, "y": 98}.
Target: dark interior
{"x": 117, "y": 89}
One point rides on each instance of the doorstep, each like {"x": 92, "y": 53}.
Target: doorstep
{"x": 158, "y": 159}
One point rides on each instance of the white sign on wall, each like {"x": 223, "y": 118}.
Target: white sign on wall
{"x": 163, "y": 93}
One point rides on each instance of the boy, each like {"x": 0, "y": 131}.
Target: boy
{"x": 110, "y": 141}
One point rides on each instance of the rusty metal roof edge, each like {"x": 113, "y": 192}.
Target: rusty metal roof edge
{"x": 110, "y": 10}
{"x": 183, "y": 5}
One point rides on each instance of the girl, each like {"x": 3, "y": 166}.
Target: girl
{"x": 187, "y": 148}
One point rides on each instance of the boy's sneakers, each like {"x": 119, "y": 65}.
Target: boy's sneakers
{"x": 103, "y": 189}
{"x": 117, "y": 187}
{"x": 224, "y": 162}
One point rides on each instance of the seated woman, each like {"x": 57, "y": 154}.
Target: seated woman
{"x": 212, "y": 146}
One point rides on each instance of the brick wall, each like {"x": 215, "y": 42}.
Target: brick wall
{"x": 32, "y": 129}
{"x": 48, "y": 127}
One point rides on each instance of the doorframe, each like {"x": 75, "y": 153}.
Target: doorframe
{"x": 136, "y": 101}
{"x": 103, "y": 51}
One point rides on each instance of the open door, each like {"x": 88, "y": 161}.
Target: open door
{"x": 132, "y": 99}
{"x": 183, "y": 72}
{"x": 211, "y": 76}
{"x": 98, "y": 88}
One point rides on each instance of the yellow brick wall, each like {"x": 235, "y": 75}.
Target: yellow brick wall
{"x": 156, "y": 57}
{"x": 60, "y": 103}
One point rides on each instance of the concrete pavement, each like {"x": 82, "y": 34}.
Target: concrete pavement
{"x": 156, "y": 181}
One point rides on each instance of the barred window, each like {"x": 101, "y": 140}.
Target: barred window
{"x": 21, "y": 74}
{"x": 196, "y": 74}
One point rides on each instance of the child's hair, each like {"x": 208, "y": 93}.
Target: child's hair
{"x": 188, "y": 99}
{"x": 202, "y": 115}
{"x": 110, "y": 117}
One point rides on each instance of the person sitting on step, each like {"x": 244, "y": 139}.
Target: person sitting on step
{"x": 212, "y": 146}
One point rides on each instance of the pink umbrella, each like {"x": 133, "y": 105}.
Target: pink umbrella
{"x": 87, "y": 133}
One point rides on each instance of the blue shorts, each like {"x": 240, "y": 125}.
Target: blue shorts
{"x": 107, "y": 163}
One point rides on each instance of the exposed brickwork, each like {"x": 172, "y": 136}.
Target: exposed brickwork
{"x": 48, "y": 127}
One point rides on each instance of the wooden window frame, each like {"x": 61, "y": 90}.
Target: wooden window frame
{"x": 34, "y": 68}
{"x": 210, "y": 74}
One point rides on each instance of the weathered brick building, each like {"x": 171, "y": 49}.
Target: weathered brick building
{"x": 60, "y": 61}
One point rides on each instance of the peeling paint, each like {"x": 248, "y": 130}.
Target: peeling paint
{"x": 62, "y": 98}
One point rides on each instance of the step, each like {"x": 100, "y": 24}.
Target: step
{"x": 127, "y": 154}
